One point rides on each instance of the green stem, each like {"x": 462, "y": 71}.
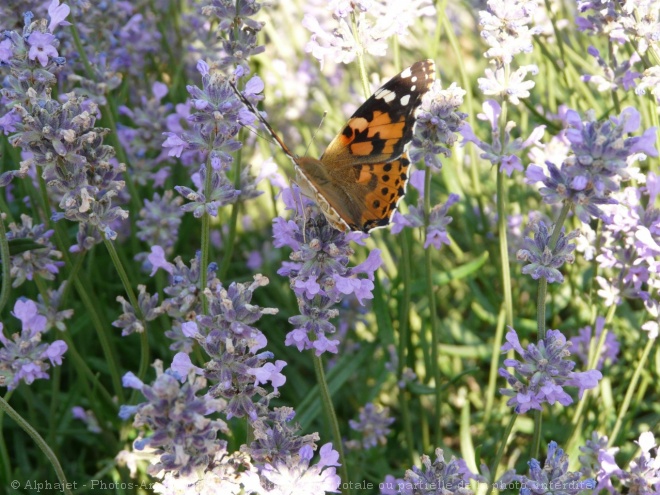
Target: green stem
{"x": 41, "y": 443}
{"x": 206, "y": 235}
{"x": 494, "y": 365}
{"x": 594, "y": 356}
{"x": 332, "y": 418}
{"x": 435, "y": 330}
{"x": 360, "y": 57}
{"x": 502, "y": 228}
{"x": 641, "y": 364}
{"x": 404, "y": 337}
{"x": 4, "y": 453}
{"x": 4, "y": 259}
{"x": 500, "y": 453}
{"x": 540, "y": 320}
{"x": 233, "y": 222}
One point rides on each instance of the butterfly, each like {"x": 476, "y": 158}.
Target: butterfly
{"x": 360, "y": 178}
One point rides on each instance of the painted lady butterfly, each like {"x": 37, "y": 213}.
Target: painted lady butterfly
{"x": 359, "y": 180}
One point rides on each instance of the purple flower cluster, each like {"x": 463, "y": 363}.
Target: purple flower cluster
{"x": 545, "y": 261}
{"x": 59, "y": 138}
{"x": 142, "y": 140}
{"x": 437, "y": 477}
{"x": 438, "y": 220}
{"x": 41, "y": 261}
{"x": 181, "y": 434}
{"x": 600, "y": 160}
{"x": 545, "y": 372}
{"x": 581, "y": 343}
{"x": 437, "y": 125}
{"x": 216, "y": 119}
{"x": 226, "y": 334}
{"x": 553, "y": 477}
{"x": 615, "y": 75}
{"x": 241, "y": 32}
{"x": 319, "y": 274}
{"x": 642, "y": 475}
{"x": 630, "y": 244}
{"x": 159, "y": 222}
{"x": 502, "y": 152}
{"x": 129, "y": 321}
{"x": 633, "y": 21}
{"x": 373, "y": 425}
{"x": 24, "y": 357}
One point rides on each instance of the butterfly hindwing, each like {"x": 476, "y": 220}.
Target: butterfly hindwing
{"x": 382, "y": 126}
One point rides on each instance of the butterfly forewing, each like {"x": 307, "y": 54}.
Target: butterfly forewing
{"x": 379, "y": 130}
{"x": 363, "y": 173}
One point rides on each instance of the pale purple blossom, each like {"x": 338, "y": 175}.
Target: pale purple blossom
{"x": 545, "y": 371}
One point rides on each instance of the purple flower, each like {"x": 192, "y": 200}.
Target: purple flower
{"x": 436, "y": 233}
{"x": 57, "y": 14}
{"x": 86, "y": 417}
{"x": 437, "y": 123}
{"x": 581, "y": 343}
{"x": 642, "y": 474}
{"x": 543, "y": 260}
{"x": 276, "y": 437}
{"x": 600, "y": 161}
{"x": 320, "y": 276}
{"x": 128, "y": 321}
{"x": 222, "y": 193}
{"x": 24, "y": 357}
{"x": 553, "y": 478}
{"x": 373, "y": 424}
{"x": 545, "y": 371}
{"x": 43, "y": 262}
{"x": 295, "y": 475}
{"x": 50, "y": 308}
{"x": 436, "y": 478}
{"x": 159, "y": 222}
{"x": 228, "y": 336}
{"x": 183, "y": 289}
{"x": 614, "y": 76}
{"x": 41, "y": 47}
{"x": 506, "y": 157}
{"x": 184, "y": 438}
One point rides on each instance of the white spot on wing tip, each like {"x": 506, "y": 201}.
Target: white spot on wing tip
{"x": 406, "y": 73}
{"x": 405, "y": 100}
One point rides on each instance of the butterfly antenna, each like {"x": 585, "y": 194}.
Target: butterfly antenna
{"x": 315, "y": 132}
{"x": 258, "y": 115}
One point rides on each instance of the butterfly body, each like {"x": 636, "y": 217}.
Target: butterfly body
{"x": 360, "y": 178}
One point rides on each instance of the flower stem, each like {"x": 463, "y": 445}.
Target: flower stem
{"x": 404, "y": 337}
{"x": 494, "y": 365}
{"x": 206, "y": 236}
{"x": 360, "y": 57}
{"x": 435, "y": 330}
{"x": 500, "y": 453}
{"x": 233, "y": 222}
{"x": 502, "y": 228}
{"x": 41, "y": 443}
{"x": 632, "y": 386}
{"x": 332, "y": 418}
{"x": 4, "y": 258}
{"x": 144, "y": 341}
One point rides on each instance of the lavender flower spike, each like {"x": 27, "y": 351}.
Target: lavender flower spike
{"x": 545, "y": 370}
{"x": 544, "y": 261}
